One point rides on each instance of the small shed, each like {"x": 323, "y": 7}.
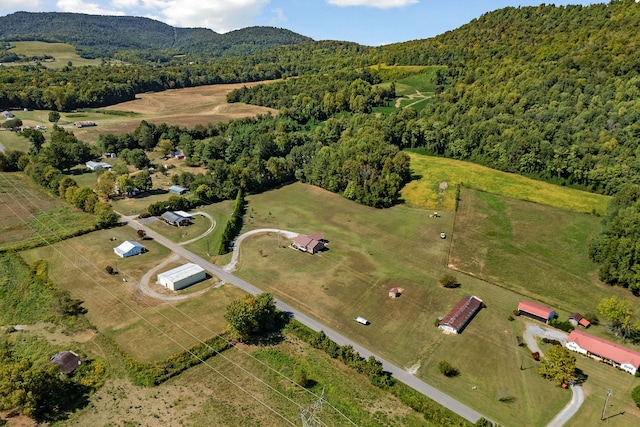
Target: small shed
{"x": 536, "y": 311}
{"x": 394, "y": 293}
{"x": 94, "y": 166}
{"x": 182, "y": 277}
{"x": 67, "y": 361}
{"x": 129, "y": 248}
{"x": 176, "y": 189}
{"x": 576, "y": 319}
{"x": 84, "y": 124}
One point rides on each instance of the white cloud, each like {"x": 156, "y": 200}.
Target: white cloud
{"x": 29, "y": 5}
{"x": 278, "y": 16}
{"x": 219, "y": 15}
{"x": 79, "y": 6}
{"x": 124, "y": 4}
{"x": 379, "y": 4}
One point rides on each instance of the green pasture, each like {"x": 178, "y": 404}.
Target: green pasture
{"x": 13, "y": 141}
{"x": 349, "y": 393}
{"x": 538, "y": 251}
{"x": 31, "y": 216}
{"x": 62, "y": 52}
{"x": 148, "y": 329}
{"x": 370, "y": 252}
{"x": 429, "y": 172}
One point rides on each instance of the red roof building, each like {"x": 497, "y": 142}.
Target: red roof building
{"x": 576, "y": 319}
{"x": 601, "y": 349}
{"x": 460, "y": 315}
{"x": 309, "y": 243}
{"x": 536, "y": 311}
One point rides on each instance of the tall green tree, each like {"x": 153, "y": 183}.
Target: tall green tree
{"x": 619, "y": 315}
{"x": 558, "y": 365}
{"x": 251, "y": 316}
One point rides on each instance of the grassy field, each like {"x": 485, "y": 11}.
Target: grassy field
{"x": 30, "y": 215}
{"x": 146, "y": 328}
{"x": 424, "y": 192}
{"x": 62, "y": 53}
{"x": 535, "y": 250}
{"x": 372, "y": 251}
{"x": 415, "y": 91}
{"x": 202, "y": 397}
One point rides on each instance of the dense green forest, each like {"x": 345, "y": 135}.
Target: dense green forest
{"x": 102, "y": 36}
{"x": 547, "y": 92}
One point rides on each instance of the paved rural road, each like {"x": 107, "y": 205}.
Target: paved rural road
{"x": 578, "y": 395}
{"x": 399, "y": 373}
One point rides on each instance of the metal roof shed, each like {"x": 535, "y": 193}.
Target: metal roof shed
{"x": 181, "y": 277}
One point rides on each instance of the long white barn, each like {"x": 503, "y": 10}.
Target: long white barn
{"x": 181, "y": 277}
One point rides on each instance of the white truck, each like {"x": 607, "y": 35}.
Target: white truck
{"x": 361, "y": 320}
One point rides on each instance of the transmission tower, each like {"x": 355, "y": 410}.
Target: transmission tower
{"x": 310, "y": 414}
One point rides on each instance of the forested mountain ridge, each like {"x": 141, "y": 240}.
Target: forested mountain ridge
{"x": 549, "y": 92}
{"x": 102, "y": 36}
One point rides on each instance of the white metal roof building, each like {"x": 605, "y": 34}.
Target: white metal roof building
{"x": 181, "y": 277}
{"x": 129, "y": 248}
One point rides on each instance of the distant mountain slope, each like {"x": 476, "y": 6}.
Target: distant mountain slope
{"x": 96, "y": 35}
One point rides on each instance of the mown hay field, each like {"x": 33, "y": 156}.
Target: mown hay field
{"x": 431, "y": 172}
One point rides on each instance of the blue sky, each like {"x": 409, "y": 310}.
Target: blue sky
{"x": 368, "y": 22}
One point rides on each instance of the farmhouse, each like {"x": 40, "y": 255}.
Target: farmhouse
{"x": 67, "y": 361}
{"x": 184, "y": 214}
{"x": 312, "y": 243}
{"x": 7, "y": 115}
{"x": 94, "y": 166}
{"x": 607, "y": 351}
{"x": 459, "y": 317}
{"x": 181, "y": 277}
{"x": 536, "y": 311}
{"x": 576, "y": 319}
{"x": 174, "y": 218}
{"x": 84, "y": 124}
{"x": 129, "y": 248}
{"x": 178, "y": 155}
{"x": 176, "y": 189}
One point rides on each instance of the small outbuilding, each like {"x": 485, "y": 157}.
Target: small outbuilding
{"x": 67, "y": 361}
{"x": 129, "y": 248}
{"x": 182, "y": 277}
{"x": 176, "y": 189}
{"x": 84, "y": 124}
{"x": 394, "y": 293}
{"x": 576, "y": 319}
{"x": 536, "y": 311}
{"x": 459, "y": 317}
{"x": 94, "y": 166}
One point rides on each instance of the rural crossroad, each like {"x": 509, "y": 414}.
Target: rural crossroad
{"x": 398, "y": 373}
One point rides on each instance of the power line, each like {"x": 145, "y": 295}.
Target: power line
{"x": 171, "y": 338}
{"x": 207, "y": 329}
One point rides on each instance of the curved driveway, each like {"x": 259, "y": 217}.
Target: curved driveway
{"x": 577, "y": 399}
{"x": 236, "y": 247}
{"x": 399, "y": 373}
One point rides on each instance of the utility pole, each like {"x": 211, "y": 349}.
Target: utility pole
{"x": 604, "y": 408}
